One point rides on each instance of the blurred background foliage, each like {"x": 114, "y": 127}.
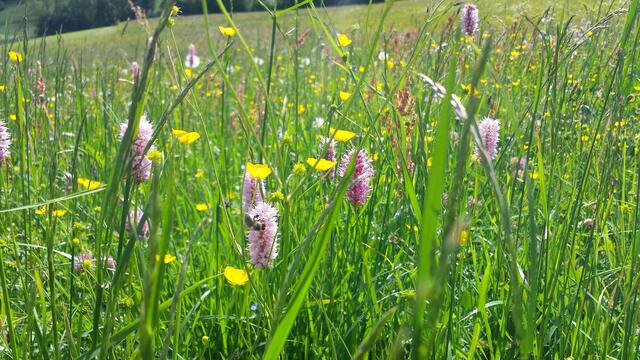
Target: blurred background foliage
{"x": 48, "y": 17}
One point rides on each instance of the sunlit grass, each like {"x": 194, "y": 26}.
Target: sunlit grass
{"x": 125, "y": 239}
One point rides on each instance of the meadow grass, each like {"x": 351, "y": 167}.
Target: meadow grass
{"x": 456, "y": 251}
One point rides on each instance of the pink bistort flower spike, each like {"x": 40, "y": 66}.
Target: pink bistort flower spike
{"x": 5, "y": 142}
{"x": 469, "y": 19}
{"x": 490, "y": 135}
{"x": 328, "y": 147}
{"x": 135, "y": 215}
{"x": 135, "y": 69}
{"x": 358, "y": 192}
{"x": 192, "y": 61}
{"x": 251, "y": 192}
{"x": 263, "y": 247}
{"x": 141, "y": 165}
{"x": 141, "y": 168}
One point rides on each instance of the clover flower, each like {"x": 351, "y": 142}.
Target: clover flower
{"x": 83, "y": 261}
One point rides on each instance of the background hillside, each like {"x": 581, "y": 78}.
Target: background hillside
{"x": 126, "y": 39}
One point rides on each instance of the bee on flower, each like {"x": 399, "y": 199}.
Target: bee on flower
{"x": 262, "y": 222}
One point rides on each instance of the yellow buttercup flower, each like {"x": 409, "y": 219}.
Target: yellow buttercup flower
{"x": 186, "y": 137}
{"x": 89, "y": 184}
{"x": 200, "y": 174}
{"x": 321, "y": 165}
{"x": 40, "y": 210}
{"x": 15, "y": 56}
{"x": 342, "y": 135}
{"x": 1, "y": 87}
{"x": 343, "y": 40}
{"x": 344, "y": 95}
{"x": 236, "y": 277}
{"x": 168, "y": 258}
{"x": 227, "y": 31}
{"x": 202, "y": 207}
{"x": 59, "y": 213}
{"x": 13, "y": 117}
{"x": 258, "y": 171}
{"x": 464, "y": 236}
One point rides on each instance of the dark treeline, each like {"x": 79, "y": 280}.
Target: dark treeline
{"x": 52, "y": 16}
